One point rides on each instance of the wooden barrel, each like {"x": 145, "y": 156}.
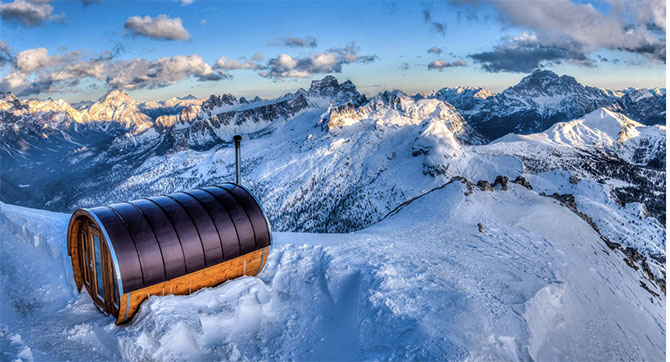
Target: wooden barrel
{"x": 172, "y": 244}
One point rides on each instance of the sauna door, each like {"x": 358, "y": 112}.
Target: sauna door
{"x": 99, "y": 270}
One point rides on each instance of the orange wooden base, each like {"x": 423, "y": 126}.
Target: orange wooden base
{"x": 250, "y": 264}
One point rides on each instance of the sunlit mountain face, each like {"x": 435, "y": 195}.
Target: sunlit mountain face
{"x": 444, "y": 180}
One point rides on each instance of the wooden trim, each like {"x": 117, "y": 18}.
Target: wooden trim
{"x": 212, "y": 276}
{"x": 73, "y": 251}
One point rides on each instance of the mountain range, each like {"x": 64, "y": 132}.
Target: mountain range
{"x": 542, "y": 205}
{"x": 330, "y": 159}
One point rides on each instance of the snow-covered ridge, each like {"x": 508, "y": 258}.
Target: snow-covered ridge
{"x": 543, "y": 98}
{"x": 454, "y": 275}
{"x": 604, "y": 130}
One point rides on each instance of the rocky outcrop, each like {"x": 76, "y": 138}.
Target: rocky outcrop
{"x": 343, "y": 115}
{"x": 484, "y": 185}
{"x": 631, "y": 256}
{"x": 520, "y": 180}
{"x": 337, "y": 93}
{"x": 502, "y": 181}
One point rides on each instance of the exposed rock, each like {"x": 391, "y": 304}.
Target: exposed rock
{"x": 574, "y": 179}
{"x": 328, "y": 87}
{"x": 464, "y": 181}
{"x": 434, "y": 169}
{"x": 523, "y": 182}
{"x": 484, "y": 185}
{"x": 502, "y": 181}
{"x": 631, "y": 256}
{"x": 342, "y": 115}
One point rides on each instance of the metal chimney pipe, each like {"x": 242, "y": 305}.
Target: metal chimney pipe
{"x": 238, "y": 175}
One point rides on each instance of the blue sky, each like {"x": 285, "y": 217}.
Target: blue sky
{"x": 491, "y": 44}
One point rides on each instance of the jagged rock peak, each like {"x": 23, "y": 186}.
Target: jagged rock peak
{"x": 339, "y": 93}
{"x": 325, "y": 87}
{"x": 116, "y": 95}
{"x": 546, "y": 81}
{"x": 118, "y": 106}
{"x": 215, "y": 101}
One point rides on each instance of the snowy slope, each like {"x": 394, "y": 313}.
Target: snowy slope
{"x": 424, "y": 284}
{"x": 606, "y": 131}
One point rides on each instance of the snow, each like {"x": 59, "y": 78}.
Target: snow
{"x": 422, "y": 284}
{"x": 601, "y": 129}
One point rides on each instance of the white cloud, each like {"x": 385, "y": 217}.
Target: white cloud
{"x": 160, "y": 27}
{"x": 224, "y": 63}
{"x": 28, "y": 13}
{"x": 442, "y": 64}
{"x": 330, "y": 61}
{"x": 435, "y": 50}
{"x": 32, "y": 59}
{"x": 35, "y": 71}
{"x": 631, "y": 26}
{"x": 141, "y": 73}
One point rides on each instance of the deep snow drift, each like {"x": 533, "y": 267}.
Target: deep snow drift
{"x": 425, "y": 283}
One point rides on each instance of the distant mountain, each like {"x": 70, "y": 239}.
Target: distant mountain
{"x": 126, "y": 147}
{"x": 607, "y": 131}
{"x": 119, "y": 107}
{"x": 604, "y": 146}
{"x": 328, "y": 159}
{"x": 543, "y": 98}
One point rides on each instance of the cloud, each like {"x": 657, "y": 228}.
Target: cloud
{"x": 525, "y": 53}
{"x": 28, "y": 13}
{"x": 32, "y": 59}
{"x": 185, "y": 2}
{"x": 435, "y": 26}
{"x": 13, "y": 81}
{"x": 330, "y": 61}
{"x": 5, "y": 54}
{"x": 160, "y": 27}
{"x": 203, "y": 22}
{"x": 442, "y": 64}
{"x": 224, "y": 63}
{"x": 140, "y": 73}
{"x": 257, "y": 57}
{"x": 295, "y": 42}
{"x": 35, "y": 71}
{"x": 631, "y": 26}
{"x": 434, "y": 50}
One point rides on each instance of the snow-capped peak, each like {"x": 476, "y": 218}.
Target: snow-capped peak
{"x": 602, "y": 129}
{"x": 547, "y": 83}
{"x": 339, "y": 93}
{"x": 120, "y": 107}
{"x": 615, "y": 125}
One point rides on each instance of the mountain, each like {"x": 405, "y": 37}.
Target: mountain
{"x": 646, "y": 105}
{"x": 455, "y": 274}
{"x": 329, "y": 159}
{"x": 562, "y": 224}
{"x": 544, "y": 98}
{"x": 119, "y": 107}
{"x": 606, "y": 131}
{"x": 463, "y": 98}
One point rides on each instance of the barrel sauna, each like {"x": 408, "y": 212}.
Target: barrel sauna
{"x": 172, "y": 244}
